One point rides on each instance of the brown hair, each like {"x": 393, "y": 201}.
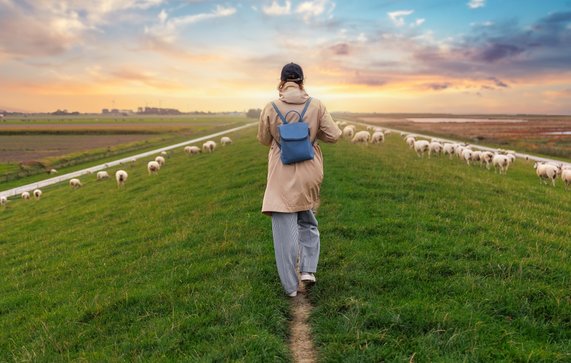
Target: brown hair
{"x": 282, "y": 84}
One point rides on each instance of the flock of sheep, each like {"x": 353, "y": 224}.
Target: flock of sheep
{"x": 500, "y": 160}
{"x": 121, "y": 176}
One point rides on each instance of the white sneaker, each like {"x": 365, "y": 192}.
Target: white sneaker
{"x": 292, "y": 294}
{"x": 307, "y": 277}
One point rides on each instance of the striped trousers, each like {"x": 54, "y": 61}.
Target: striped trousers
{"x": 295, "y": 234}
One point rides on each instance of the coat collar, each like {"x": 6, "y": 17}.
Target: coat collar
{"x": 292, "y": 93}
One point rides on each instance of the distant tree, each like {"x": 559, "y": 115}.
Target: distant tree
{"x": 254, "y": 113}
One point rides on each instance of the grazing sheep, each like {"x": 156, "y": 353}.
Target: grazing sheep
{"x": 467, "y": 155}
{"x": 165, "y": 154}
{"x": 434, "y": 147}
{"x": 448, "y": 149}
{"x": 501, "y": 163}
{"x": 153, "y": 167}
{"x": 225, "y": 140}
{"x": 25, "y": 195}
{"x": 75, "y": 183}
{"x": 3, "y": 201}
{"x": 476, "y": 155}
{"x": 421, "y": 146}
{"x": 208, "y": 146}
{"x": 387, "y": 132}
{"x": 566, "y": 176}
{"x": 349, "y": 131}
{"x": 53, "y": 171}
{"x": 121, "y": 177}
{"x": 191, "y": 150}
{"x": 102, "y": 175}
{"x": 486, "y": 157}
{"x": 37, "y": 194}
{"x": 377, "y": 137}
{"x": 133, "y": 161}
{"x": 546, "y": 171}
{"x": 160, "y": 160}
{"x": 410, "y": 141}
{"x": 361, "y": 137}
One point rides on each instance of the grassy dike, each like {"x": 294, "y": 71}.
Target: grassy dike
{"x": 429, "y": 259}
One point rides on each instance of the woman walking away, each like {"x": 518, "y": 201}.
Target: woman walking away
{"x": 295, "y": 173}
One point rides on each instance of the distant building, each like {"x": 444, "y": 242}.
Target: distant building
{"x": 158, "y": 111}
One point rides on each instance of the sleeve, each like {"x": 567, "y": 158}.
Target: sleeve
{"x": 328, "y": 129}
{"x": 264, "y": 135}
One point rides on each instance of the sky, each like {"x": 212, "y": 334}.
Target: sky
{"x": 418, "y": 56}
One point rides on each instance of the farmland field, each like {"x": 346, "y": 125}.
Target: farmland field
{"x": 422, "y": 260}
{"x": 537, "y": 134}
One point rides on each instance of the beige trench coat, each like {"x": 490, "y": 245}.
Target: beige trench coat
{"x": 295, "y": 187}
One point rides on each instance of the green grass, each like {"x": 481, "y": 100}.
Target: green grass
{"x": 424, "y": 258}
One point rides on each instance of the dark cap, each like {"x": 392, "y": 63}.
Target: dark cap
{"x": 292, "y": 72}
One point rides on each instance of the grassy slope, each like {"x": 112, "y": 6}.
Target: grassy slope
{"x": 430, "y": 258}
{"x": 438, "y": 260}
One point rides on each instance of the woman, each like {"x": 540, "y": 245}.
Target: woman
{"x": 292, "y": 190}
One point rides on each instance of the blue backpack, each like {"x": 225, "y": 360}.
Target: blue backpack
{"x": 295, "y": 144}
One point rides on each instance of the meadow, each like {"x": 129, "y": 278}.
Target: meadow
{"x": 422, "y": 260}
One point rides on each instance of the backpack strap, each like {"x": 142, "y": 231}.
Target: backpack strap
{"x": 279, "y": 113}
{"x": 305, "y": 108}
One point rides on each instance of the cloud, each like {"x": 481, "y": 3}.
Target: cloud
{"x": 475, "y": 4}
{"x": 167, "y": 29}
{"x": 397, "y": 17}
{"x": 276, "y": 10}
{"x": 340, "y": 49}
{"x": 438, "y": 86}
{"x": 498, "y": 82}
{"x": 314, "y": 8}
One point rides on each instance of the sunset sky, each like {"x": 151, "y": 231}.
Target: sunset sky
{"x": 470, "y": 56}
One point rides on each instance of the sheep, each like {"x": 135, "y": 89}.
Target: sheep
{"x": 566, "y": 176}
{"x": 208, "y": 146}
{"x": 410, "y": 141}
{"x": 121, "y": 177}
{"x": 225, "y": 140}
{"x": 434, "y": 147}
{"x": 377, "y": 137}
{"x": 476, "y": 155}
{"x": 448, "y": 149}
{"x": 501, "y": 163}
{"x": 165, "y": 154}
{"x": 467, "y": 155}
{"x": 25, "y": 195}
{"x": 102, "y": 175}
{"x": 75, "y": 183}
{"x": 3, "y": 201}
{"x": 160, "y": 160}
{"x": 387, "y": 132}
{"x": 37, "y": 194}
{"x": 546, "y": 171}
{"x": 349, "y": 131}
{"x": 486, "y": 157}
{"x": 420, "y": 147}
{"x": 153, "y": 167}
{"x": 361, "y": 137}
{"x": 192, "y": 150}
{"x": 52, "y": 171}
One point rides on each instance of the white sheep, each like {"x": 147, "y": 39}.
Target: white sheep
{"x": 3, "y": 201}
{"x": 476, "y": 155}
{"x": 225, "y": 140}
{"x": 191, "y": 150}
{"x": 546, "y": 171}
{"x": 486, "y": 157}
{"x": 501, "y": 163}
{"x": 121, "y": 177}
{"x": 37, "y": 194}
{"x": 53, "y": 171}
{"x": 208, "y": 146}
{"x": 160, "y": 160}
{"x": 387, "y": 132}
{"x": 25, "y": 195}
{"x": 349, "y": 131}
{"x": 377, "y": 137}
{"x": 421, "y": 146}
{"x": 153, "y": 167}
{"x": 434, "y": 147}
{"x": 448, "y": 149}
{"x": 165, "y": 154}
{"x": 75, "y": 183}
{"x": 410, "y": 141}
{"x": 566, "y": 176}
{"x": 102, "y": 175}
{"x": 361, "y": 137}
{"x": 467, "y": 155}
